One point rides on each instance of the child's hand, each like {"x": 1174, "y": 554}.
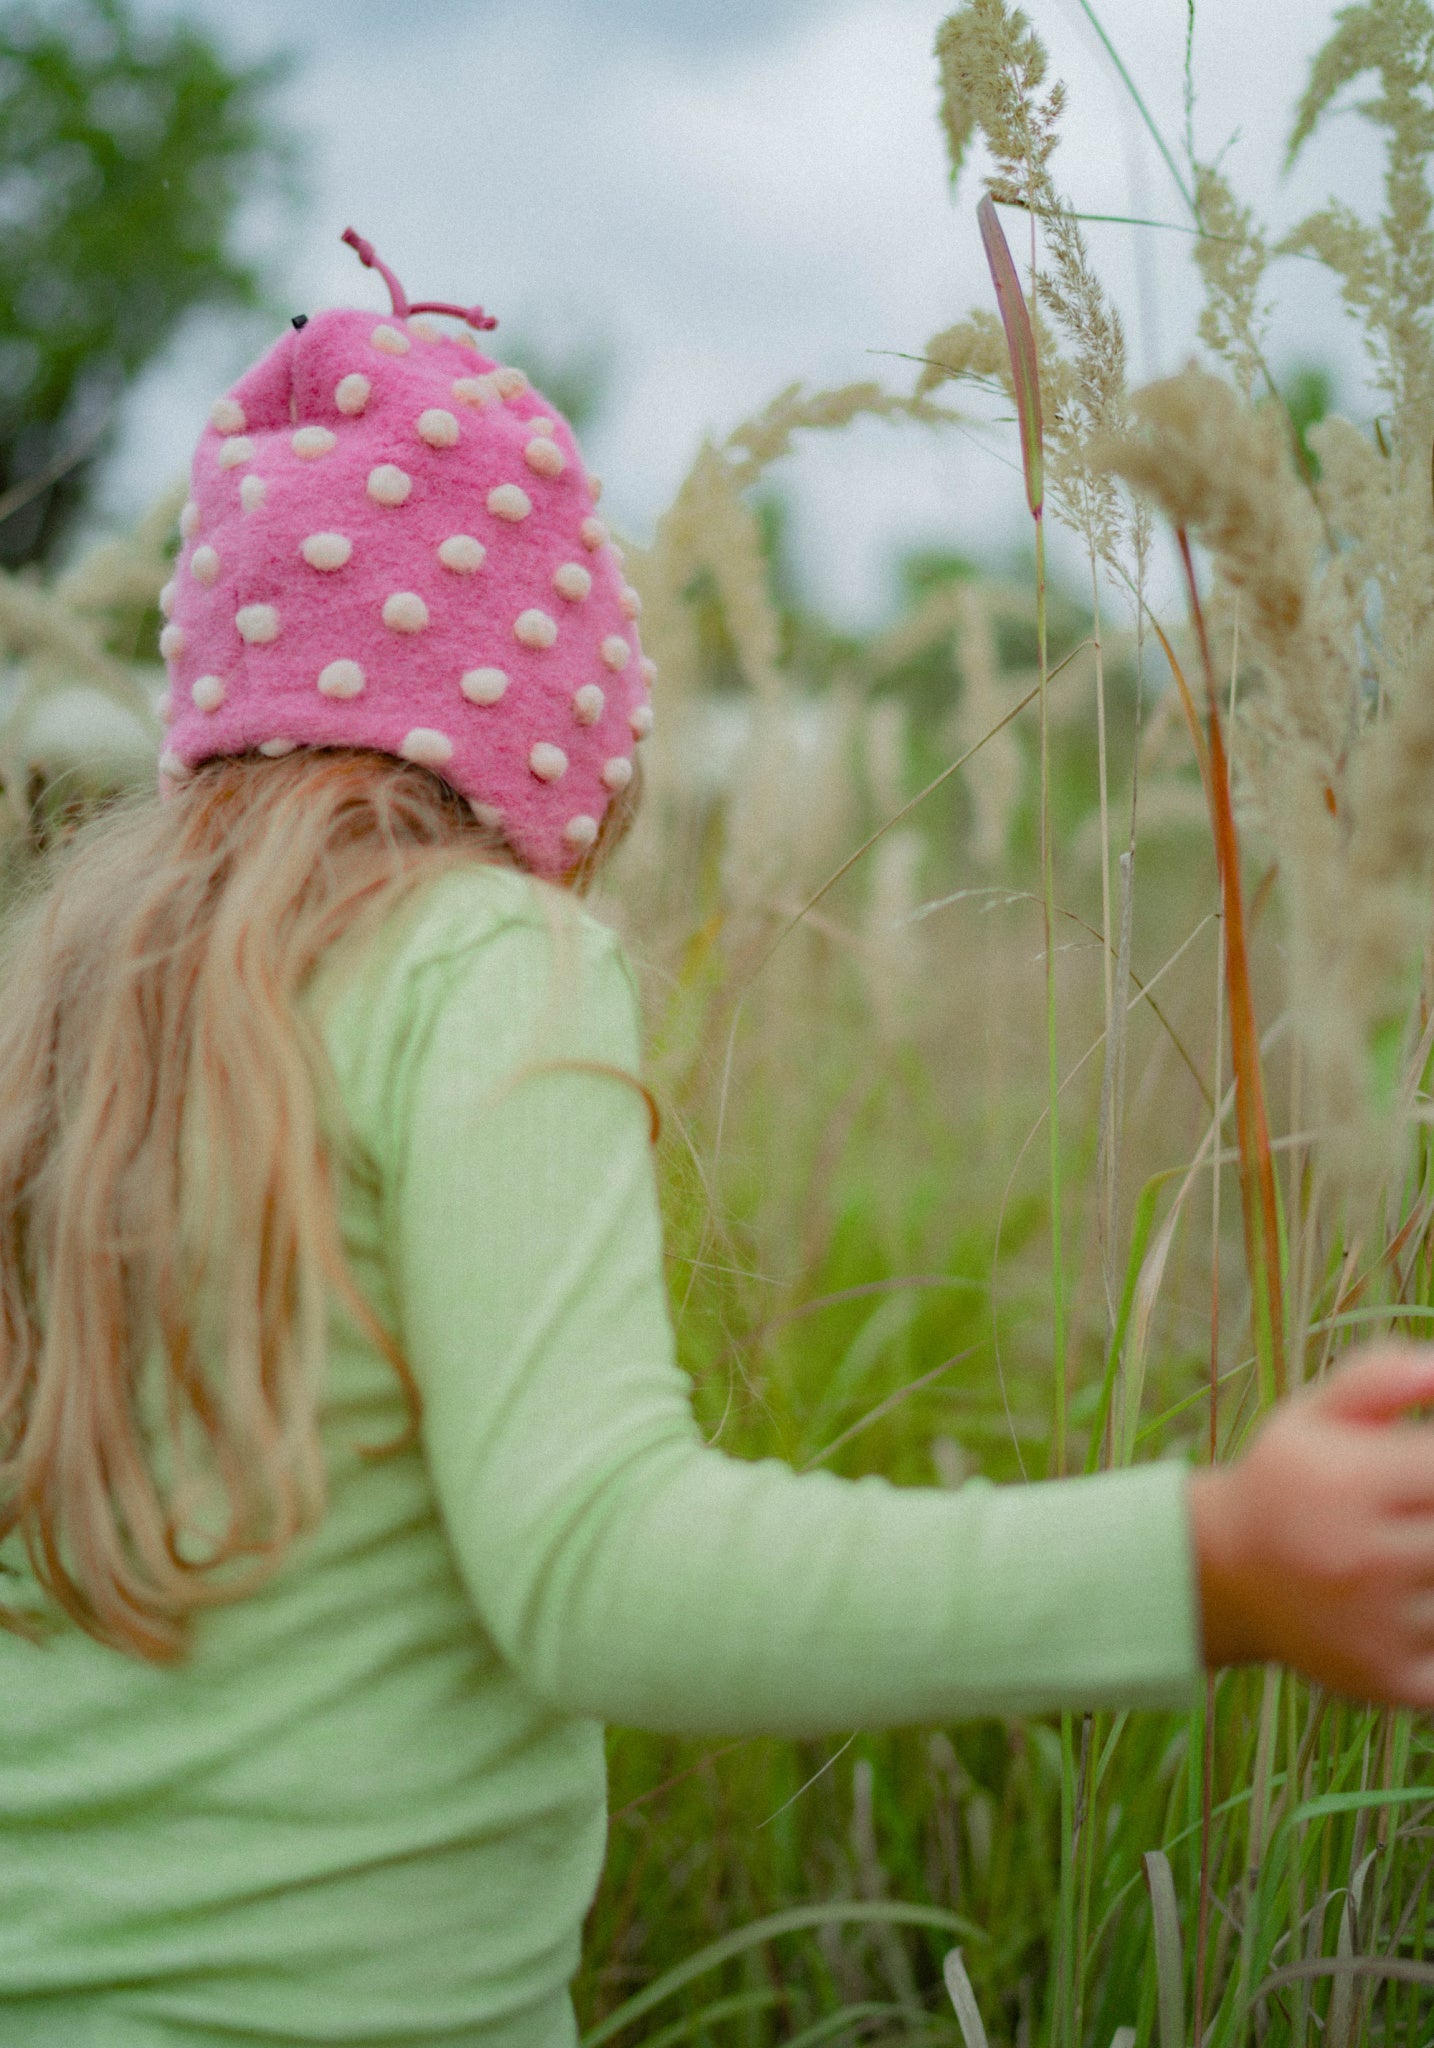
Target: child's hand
{"x": 1316, "y": 1548}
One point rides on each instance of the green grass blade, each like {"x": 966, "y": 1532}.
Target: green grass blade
{"x": 1144, "y": 112}
{"x": 712, "y": 2015}
{"x": 1169, "y": 1961}
{"x": 1139, "y": 1245}
{"x": 795, "y": 1920}
{"x": 1352, "y": 1802}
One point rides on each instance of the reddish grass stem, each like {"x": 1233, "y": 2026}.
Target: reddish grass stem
{"x": 1257, "y": 1176}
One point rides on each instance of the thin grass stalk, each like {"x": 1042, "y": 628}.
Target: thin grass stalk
{"x": 1048, "y": 898}
{"x": 1144, "y": 112}
{"x": 1086, "y": 1840}
{"x": 1257, "y": 1178}
{"x": 1189, "y": 103}
{"x": 1025, "y": 378}
{"x": 1207, "y": 1804}
{"x": 1108, "y": 1137}
{"x": 1060, "y": 1992}
{"x": 1207, "y": 1746}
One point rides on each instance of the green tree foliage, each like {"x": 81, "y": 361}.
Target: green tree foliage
{"x": 125, "y": 151}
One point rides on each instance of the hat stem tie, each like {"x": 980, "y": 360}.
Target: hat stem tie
{"x": 371, "y": 260}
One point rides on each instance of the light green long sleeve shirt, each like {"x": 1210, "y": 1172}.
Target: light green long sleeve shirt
{"x": 370, "y": 1807}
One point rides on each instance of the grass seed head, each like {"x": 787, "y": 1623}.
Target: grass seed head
{"x": 1222, "y": 470}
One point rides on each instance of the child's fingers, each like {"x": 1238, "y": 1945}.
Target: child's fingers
{"x": 1414, "y": 1686}
{"x": 1378, "y": 1385}
{"x": 1400, "y": 1469}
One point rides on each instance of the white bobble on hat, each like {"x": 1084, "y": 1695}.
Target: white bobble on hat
{"x": 252, "y": 492}
{"x": 390, "y": 341}
{"x": 509, "y": 501}
{"x": 204, "y": 565}
{"x": 226, "y": 416}
{"x": 617, "y": 773}
{"x": 581, "y": 831}
{"x": 462, "y": 553}
{"x": 438, "y": 427}
{"x": 208, "y": 693}
{"x": 544, "y": 456}
{"x": 257, "y": 623}
{"x": 429, "y": 748}
{"x": 405, "y": 612}
{"x": 535, "y": 628}
{"x": 189, "y": 519}
{"x": 588, "y": 704}
{"x": 352, "y": 393}
{"x": 616, "y": 653}
{"x": 327, "y": 550}
{"x": 483, "y": 685}
{"x": 388, "y": 484}
{"x": 341, "y": 679}
{"x": 572, "y": 581}
{"x": 548, "y": 763}
{"x": 235, "y": 452}
{"x": 310, "y": 442}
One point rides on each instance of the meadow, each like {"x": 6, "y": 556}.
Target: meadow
{"x": 1038, "y": 995}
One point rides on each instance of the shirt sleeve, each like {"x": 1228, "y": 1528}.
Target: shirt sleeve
{"x": 626, "y": 1569}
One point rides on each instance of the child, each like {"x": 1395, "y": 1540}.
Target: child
{"x": 347, "y": 1480}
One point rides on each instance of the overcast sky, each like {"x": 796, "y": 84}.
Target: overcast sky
{"x": 732, "y": 194}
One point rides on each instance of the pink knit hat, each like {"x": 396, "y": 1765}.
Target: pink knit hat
{"x": 391, "y": 542}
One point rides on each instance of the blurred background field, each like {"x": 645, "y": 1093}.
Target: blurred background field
{"x": 846, "y": 988}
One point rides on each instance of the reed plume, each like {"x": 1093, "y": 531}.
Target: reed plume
{"x": 1222, "y": 470}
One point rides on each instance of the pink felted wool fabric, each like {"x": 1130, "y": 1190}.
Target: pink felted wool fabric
{"x": 391, "y": 542}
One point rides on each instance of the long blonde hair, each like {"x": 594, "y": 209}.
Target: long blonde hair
{"x": 166, "y": 1131}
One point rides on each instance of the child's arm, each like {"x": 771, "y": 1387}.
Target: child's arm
{"x": 625, "y": 1569}
{"x": 1317, "y": 1548}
